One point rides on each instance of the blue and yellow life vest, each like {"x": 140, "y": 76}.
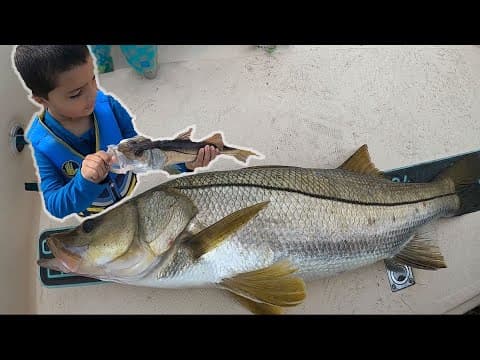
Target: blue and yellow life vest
{"x": 68, "y": 160}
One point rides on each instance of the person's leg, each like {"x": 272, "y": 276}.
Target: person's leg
{"x": 268, "y": 48}
{"x": 142, "y": 58}
{"x": 103, "y": 57}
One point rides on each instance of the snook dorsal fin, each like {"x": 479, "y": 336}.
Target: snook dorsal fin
{"x": 210, "y": 237}
{"x": 361, "y": 163}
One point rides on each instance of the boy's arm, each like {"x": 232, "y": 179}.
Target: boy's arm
{"x": 64, "y": 199}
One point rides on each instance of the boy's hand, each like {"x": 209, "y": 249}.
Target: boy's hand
{"x": 204, "y": 156}
{"x": 95, "y": 167}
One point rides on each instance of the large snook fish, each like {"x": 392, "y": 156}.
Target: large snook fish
{"x": 260, "y": 232}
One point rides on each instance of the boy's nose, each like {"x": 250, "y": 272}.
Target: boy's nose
{"x": 91, "y": 95}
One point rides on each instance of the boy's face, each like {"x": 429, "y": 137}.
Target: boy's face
{"x": 75, "y": 94}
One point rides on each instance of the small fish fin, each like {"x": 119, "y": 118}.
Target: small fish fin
{"x": 242, "y": 155}
{"x": 215, "y": 139}
{"x": 273, "y": 285}
{"x": 258, "y": 308}
{"x": 52, "y": 264}
{"x": 212, "y": 236}
{"x": 465, "y": 175}
{"x": 185, "y": 135}
{"x": 360, "y": 162}
{"x": 418, "y": 253}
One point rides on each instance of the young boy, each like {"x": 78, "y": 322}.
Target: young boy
{"x": 70, "y": 136}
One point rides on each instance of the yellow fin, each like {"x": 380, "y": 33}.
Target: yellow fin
{"x": 360, "y": 162}
{"x": 212, "y": 236}
{"x": 421, "y": 255}
{"x": 258, "y": 308}
{"x": 273, "y": 285}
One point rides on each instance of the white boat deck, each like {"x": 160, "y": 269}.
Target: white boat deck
{"x": 310, "y": 106}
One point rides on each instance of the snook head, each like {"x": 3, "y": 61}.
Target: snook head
{"x": 125, "y": 241}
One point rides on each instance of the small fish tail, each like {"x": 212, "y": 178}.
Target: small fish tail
{"x": 465, "y": 175}
{"x": 242, "y": 155}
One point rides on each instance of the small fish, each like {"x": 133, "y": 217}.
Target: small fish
{"x": 179, "y": 150}
{"x": 262, "y": 232}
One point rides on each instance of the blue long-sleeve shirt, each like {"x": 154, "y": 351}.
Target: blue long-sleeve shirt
{"x": 64, "y": 198}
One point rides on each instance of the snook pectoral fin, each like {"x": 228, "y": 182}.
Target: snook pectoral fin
{"x": 361, "y": 163}
{"x": 267, "y": 290}
{"x": 212, "y": 236}
{"x": 257, "y": 307}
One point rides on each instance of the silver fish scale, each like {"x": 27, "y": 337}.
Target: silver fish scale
{"x": 321, "y": 236}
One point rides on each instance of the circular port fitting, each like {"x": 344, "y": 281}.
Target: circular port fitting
{"x": 400, "y": 274}
{"x": 17, "y": 139}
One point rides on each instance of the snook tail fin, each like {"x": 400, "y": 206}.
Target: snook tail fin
{"x": 465, "y": 175}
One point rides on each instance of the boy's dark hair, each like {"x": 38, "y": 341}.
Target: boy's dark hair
{"x": 39, "y": 65}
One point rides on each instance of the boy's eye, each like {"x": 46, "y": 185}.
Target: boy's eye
{"x": 76, "y": 95}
